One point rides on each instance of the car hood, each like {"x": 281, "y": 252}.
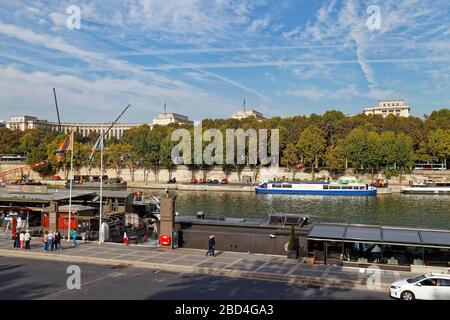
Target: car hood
{"x": 400, "y": 283}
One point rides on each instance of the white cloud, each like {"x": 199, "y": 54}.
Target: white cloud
{"x": 99, "y": 97}
{"x": 291, "y": 34}
{"x": 259, "y": 24}
{"x": 58, "y": 19}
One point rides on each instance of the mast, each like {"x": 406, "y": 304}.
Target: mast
{"x": 57, "y": 111}
{"x": 71, "y": 183}
{"x": 100, "y": 233}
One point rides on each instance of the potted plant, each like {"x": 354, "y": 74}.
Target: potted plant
{"x": 292, "y": 252}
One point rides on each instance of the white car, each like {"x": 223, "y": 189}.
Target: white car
{"x": 425, "y": 287}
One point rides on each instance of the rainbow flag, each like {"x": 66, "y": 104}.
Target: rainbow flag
{"x": 97, "y": 147}
{"x": 66, "y": 145}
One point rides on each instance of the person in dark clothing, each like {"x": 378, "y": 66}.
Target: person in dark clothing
{"x": 58, "y": 241}
{"x": 17, "y": 240}
{"x": 211, "y": 245}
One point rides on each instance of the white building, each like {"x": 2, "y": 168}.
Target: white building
{"x": 387, "y": 107}
{"x": 242, "y": 114}
{"x": 23, "y": 123}
{"x": 168, "y": 118}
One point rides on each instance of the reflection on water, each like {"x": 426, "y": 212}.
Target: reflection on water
{"x": 395, "y": 209}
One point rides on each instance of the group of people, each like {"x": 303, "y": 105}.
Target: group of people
{"x": 52, "y": 241}
{"x": 22, "y": 239}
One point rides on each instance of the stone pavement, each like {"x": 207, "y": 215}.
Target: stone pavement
{"x": 233, "y": 264}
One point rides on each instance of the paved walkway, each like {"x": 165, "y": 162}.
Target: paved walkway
{"x": 233, "y": 264}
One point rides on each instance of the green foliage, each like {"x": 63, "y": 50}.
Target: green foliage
{"x": 292, "y": 245}
{"x": 331, "y": 140}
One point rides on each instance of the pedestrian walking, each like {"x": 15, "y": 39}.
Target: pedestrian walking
{"x": 74, "y": 237}
{"x": 27, "y": 240}
{"x": 211, "y": 245}
{"x": 50, "y": 238}
{"x": 45, "y": 241}
{"x": 22, "y": 240}
{"x": 58, "y": 241}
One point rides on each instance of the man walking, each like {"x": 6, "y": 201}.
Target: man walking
{"x": 27, "y": 240}
{"x": 50, "y": 238}
{"x": 211, "y": 245}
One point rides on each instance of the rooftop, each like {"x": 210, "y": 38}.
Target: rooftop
{"x": 53, "y": 195}
{"x": 381, "y": 234}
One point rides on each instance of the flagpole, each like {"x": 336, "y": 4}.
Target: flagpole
{"x": 100, "y": 231}
{"x": 70, "y": 188}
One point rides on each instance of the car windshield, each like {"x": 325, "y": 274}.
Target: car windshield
{"x": 416, "y": 279}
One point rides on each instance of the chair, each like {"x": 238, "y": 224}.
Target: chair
{"x": 418, "y": 262}
{"x": 392, "y": 260}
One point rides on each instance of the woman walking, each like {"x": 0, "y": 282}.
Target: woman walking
{"x": 22, "y": 240}
{"x": 45, "y": 241}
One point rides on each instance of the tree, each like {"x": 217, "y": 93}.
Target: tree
{"x": 404, "y": 152}
{"x": 130, "y": 158}
{"x": 292, "y": 245}
{"x": 114, "y": 158}
{"x": 290, "y": 158}
{"x": 166, "y": 155}
{"x": 373, "y": 159}
{"x": 335, "y": 157}
{"x": 387, "y": 151}
{"x": 356, "y": 148}
{"x": 38, "y": 154}
{"x": 311, "y": 145}
{"x": 439, "y": 144}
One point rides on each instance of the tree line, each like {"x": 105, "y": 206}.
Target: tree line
{"x": 331, "y": 141}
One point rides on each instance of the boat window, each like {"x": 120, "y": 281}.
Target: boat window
{"x": 276, "y": 186}
{"x": 287, "y": 185}
{"x": 335, "y": 187}
{"x": 362, "y": 187}
{"x": 275, "y": 220}
{"x": 347, "y": 187}
{"x": 325, "y": 187}
{"x": 291, "y": 220}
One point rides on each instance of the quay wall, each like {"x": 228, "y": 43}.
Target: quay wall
{"x": 183, "y": 174}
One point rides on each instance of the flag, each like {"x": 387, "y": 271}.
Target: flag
{"x": 98, "y": 146}
{"x": 66, "y": 145}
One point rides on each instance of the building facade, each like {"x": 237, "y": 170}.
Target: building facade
{"x": 242, "y": 114}
{"x": 168, "y": 118}
{"x": 397, "y": 108}
{"x": 23, "y": 123}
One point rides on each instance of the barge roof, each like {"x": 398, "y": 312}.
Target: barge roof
{"x": 380, "y": 234}
{"x": 52, "y": 195}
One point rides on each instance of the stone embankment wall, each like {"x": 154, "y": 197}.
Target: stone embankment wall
{"x": 183, "y": 174}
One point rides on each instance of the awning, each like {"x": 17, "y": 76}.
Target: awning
{"x": 380, "y": 234}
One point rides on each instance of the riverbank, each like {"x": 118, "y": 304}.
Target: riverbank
{"x": 222, "y": 188}
{"x": 235, "y": 187}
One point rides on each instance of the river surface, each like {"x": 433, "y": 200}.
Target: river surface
{"x": 394, "y": 209}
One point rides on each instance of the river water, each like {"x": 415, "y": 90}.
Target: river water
{"x": 394, "y": 209}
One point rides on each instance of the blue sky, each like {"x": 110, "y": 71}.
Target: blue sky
{"x": 204, "y": 57}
